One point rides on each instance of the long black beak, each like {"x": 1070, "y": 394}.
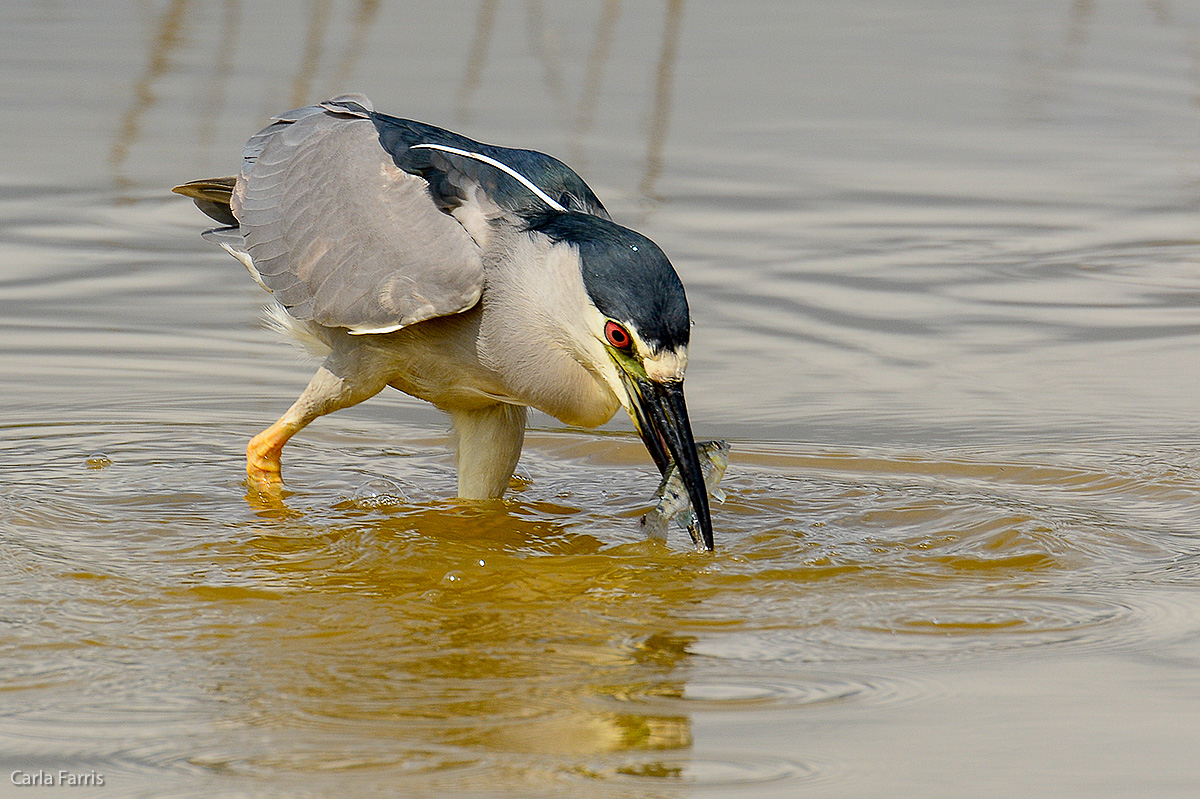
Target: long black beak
{"x": 661, "y": 417}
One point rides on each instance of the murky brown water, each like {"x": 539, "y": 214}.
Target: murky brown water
{"x": 944, "y": 262}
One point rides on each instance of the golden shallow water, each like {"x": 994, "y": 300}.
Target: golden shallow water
{"x": 942, "y": 257}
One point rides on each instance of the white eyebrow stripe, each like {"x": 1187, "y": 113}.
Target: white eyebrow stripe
{"x": 524, "y": 181}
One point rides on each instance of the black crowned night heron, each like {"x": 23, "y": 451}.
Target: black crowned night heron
{"x": 482, "y": 279}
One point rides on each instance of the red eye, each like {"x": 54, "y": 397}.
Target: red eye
{"x": 617, "y": 335}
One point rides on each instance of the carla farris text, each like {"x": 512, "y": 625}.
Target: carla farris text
{"x": 69, "y": 778}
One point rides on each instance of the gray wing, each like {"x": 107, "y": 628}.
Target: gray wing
{"x": 342, "y": 236}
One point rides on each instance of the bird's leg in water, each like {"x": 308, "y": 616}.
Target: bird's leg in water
{"x": 487, "y": 446}
{"x": 263, "y": 453}
{"x": 337, "y": 384}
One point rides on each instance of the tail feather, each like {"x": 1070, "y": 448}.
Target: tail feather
{"x": 212, "y": 196}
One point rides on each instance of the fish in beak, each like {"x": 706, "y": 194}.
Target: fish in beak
{"x": 660, "y": 415}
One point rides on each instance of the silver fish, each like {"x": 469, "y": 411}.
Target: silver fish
{"x": 673, "y": 498}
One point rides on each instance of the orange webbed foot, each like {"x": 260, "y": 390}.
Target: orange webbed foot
{"x": 263, "y": 471}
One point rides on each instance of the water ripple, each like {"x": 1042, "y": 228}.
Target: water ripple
{"x": 729, "y": 770}
{"x": 738, "y": 693}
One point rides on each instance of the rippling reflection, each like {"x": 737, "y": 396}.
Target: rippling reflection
{"x": 457, "y": 637}
{"x": 166, "y": 39}
{"x": 664, "y": 77}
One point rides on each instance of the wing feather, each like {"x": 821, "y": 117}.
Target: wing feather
{"x": 360, "y": 220}
{"x": 341, "y": 235}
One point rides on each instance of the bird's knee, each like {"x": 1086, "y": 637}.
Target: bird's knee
{"x": 263, "y": 454}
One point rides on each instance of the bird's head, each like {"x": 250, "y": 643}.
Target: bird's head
{"x": 636, "y": 329}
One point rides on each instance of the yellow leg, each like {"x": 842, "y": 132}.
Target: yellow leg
{"x": 337, "y": 384}
{"x": 263, "y": 454}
